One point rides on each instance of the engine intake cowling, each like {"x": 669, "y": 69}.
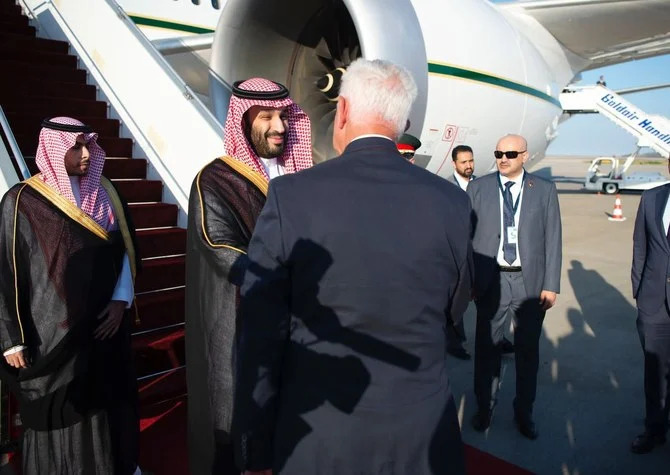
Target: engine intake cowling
{"x": 306, "y": 44}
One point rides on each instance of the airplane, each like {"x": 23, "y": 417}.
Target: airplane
{"x": 483, "y": 69}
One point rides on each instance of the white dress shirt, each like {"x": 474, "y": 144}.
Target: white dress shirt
{"x": 517, "y": 193}
{"x": 666, "y": 216}
{"x": 462, "y": 182}
{"x": 272, "y": 168}
{"x": 365, "y": 136}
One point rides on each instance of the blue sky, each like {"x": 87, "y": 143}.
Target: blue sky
{"x": 593, "y": 134}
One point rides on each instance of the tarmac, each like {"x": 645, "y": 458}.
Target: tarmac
{"x": 590, "y": 395}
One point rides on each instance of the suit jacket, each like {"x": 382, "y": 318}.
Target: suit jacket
{"x": 356, "y": 268}
{"x": 539, "y": 236}
{"x": 650, "y": 272}
{"x": 452, "y": 179}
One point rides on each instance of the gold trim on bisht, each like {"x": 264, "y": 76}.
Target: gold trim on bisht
{"x": 249, "y": 173}
{"x": 16, "y": 273}
{"x": 66, "y": 206}
{"x": 123, "y": 222}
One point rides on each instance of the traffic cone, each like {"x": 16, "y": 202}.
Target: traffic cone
{"x": 617, "y": 214}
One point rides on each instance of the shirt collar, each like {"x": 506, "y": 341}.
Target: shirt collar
{"x": 460, "y": 179}
{"x": 367, "y": 136}
{"x": 517, "y": 180}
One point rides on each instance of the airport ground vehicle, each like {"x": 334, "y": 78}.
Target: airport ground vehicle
{"x": 606, "y": 174}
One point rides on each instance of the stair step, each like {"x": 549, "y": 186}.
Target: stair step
{"x": 73, "y": 107}
{"x": 158, "y": 309}
{"x": 158, "y": 351}
{"x": 11, "y": 40}
{"x": 111, "y": 145}
{"x": 153, "y": 215}
{"x": 116, "y": 147}
{"x": 162, "y": 387}
{"x": 139, "y": 191}
{"x": 22, "y": 69}
{"x": 10, "y": 7}
{"x": 12, "y": 18}
{"x": 7, "y": 9}
{"x": 162, "y": 273}
{"x": 37, "y": 87}
{"x": 29, "y": 56}
{"x": 161, "y": 242}
{"x": 29, "y": 123}
{"x": 18, "y": 27}
{"x": 125, "y": 168}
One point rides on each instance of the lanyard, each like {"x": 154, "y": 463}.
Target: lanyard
{"x": 518, "y": 198}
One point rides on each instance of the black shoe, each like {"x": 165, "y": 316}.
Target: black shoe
{"x": 645, "y": 443}
{"x": 506, "y": 346}
{"x": 459, "y": 352}
{"x": 481, "y": 421}
{"x": 526, "y": 427}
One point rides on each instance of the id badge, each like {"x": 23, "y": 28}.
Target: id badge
{"x": 511, "y": 234}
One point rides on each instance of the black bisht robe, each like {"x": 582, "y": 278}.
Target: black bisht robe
{"x": 58, "y": 271}
{"x": 226, "y": 199}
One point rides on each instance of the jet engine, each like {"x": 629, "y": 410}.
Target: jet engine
{"x": 306, "y": 44}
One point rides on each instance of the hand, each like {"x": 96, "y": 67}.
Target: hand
{"x": 547, "y": 299}
{"x": 17, "y": 360}
{"x": 109, "y": 327}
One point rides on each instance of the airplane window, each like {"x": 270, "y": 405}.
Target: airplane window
{"x": 215, "y": 4}
{"x": 195, "y": 2}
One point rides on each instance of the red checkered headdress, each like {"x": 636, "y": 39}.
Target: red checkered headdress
{"x": 297, "y": 153}
{"x": 58, "y": 135}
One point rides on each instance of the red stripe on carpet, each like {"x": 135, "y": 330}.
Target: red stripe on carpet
{"x": 163, "y": 449}
{"x": 481, "y": 463}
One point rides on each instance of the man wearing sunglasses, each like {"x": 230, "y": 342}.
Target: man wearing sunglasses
{"x": 517, "y": 256}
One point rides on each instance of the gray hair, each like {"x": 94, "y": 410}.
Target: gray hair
{"x": 379, "y": 90}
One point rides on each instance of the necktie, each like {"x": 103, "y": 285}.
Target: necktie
{"x": 668, "y": 235}
{"x": 509, "y": 249}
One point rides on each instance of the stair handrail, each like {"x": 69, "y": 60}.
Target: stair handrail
{"x": 18, "y": 156}
{"x": 587, "y": 99}
{"x": 31, "y": 13}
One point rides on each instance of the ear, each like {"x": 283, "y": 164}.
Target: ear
{"x": 342, "y": 112}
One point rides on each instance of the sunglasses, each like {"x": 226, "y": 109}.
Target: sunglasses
{"x": 510, "y": 154}
{"x": 407, "y": 155}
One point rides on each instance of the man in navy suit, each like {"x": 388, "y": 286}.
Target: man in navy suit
{"x": 651, "y": 288}
{"x": 341, "y": 362}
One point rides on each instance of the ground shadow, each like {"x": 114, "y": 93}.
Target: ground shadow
{"x": 587, "y": 373}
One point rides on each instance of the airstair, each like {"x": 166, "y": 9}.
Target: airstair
{"x": 650, "y": 130}
{"x": 93, "y": 64}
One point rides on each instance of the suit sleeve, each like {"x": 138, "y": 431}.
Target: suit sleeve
{"x": 554, "y": 244}
{"x": 639, "y": 247}
{"x": 264, "y": 323}
{"x": 11, "y": 331}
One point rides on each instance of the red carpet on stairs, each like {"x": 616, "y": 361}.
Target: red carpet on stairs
{"x": 41, "y": 79}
